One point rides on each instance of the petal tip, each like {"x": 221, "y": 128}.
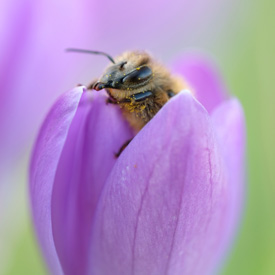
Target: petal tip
{"x": 187, "y": 91}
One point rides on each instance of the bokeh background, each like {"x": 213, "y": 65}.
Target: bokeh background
{"x": 34, "y": 69}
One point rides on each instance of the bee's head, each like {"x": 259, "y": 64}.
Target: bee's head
{"x": 131, "y": 70}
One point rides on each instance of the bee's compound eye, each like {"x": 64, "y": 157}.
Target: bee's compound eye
{"x": 139, "y": 75}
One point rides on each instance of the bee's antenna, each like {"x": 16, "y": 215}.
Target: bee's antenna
{"x": 92, "y": 52}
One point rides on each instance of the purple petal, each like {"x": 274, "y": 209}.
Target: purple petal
{"x": 96, "y": 133}
{"x": 46, "y": 154}
{"x": 165, "y": 205}
{"x": 203, "y": 78}
{"x": 229, "y": 123}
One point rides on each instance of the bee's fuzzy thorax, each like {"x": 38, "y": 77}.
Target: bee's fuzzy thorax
{"x": 140, "y": 85}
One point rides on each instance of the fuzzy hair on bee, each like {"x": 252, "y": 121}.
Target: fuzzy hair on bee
{"x": 139, "y": 84}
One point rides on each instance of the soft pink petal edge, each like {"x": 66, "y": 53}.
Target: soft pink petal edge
{"x": 230, "y": 126}
{"x": 97, "y": 132}
{"x": 45, "y": 157}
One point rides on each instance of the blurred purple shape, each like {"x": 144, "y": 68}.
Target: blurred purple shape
{"x": 170, "y": 204}
{"x": 34, "y": 35}
{"x": 204, "y": 79}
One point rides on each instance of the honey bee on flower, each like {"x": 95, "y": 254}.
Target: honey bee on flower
{"x": 138, "y": 83}
{"x": 170, "y": 204}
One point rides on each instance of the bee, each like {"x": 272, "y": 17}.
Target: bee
{"x": 139, "y": 84}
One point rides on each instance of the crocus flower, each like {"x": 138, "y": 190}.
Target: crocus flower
{"x": 170, "y": 204}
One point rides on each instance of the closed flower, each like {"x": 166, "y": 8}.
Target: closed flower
{"x": 170, "y": 204}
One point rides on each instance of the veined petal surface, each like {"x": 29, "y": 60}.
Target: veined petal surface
{"x": 166, "y": 202}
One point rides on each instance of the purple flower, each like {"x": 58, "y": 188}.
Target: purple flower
{"x": 170, "y": 204}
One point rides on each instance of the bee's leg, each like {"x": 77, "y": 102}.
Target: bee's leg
{"x": 91, "y": 85}
{"x": 122, "y": 148}
{"x": 110, "y": 100}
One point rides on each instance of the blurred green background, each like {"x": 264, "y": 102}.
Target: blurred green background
{"x": 250, "y": 72}
{"x": 248, "y": 66}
